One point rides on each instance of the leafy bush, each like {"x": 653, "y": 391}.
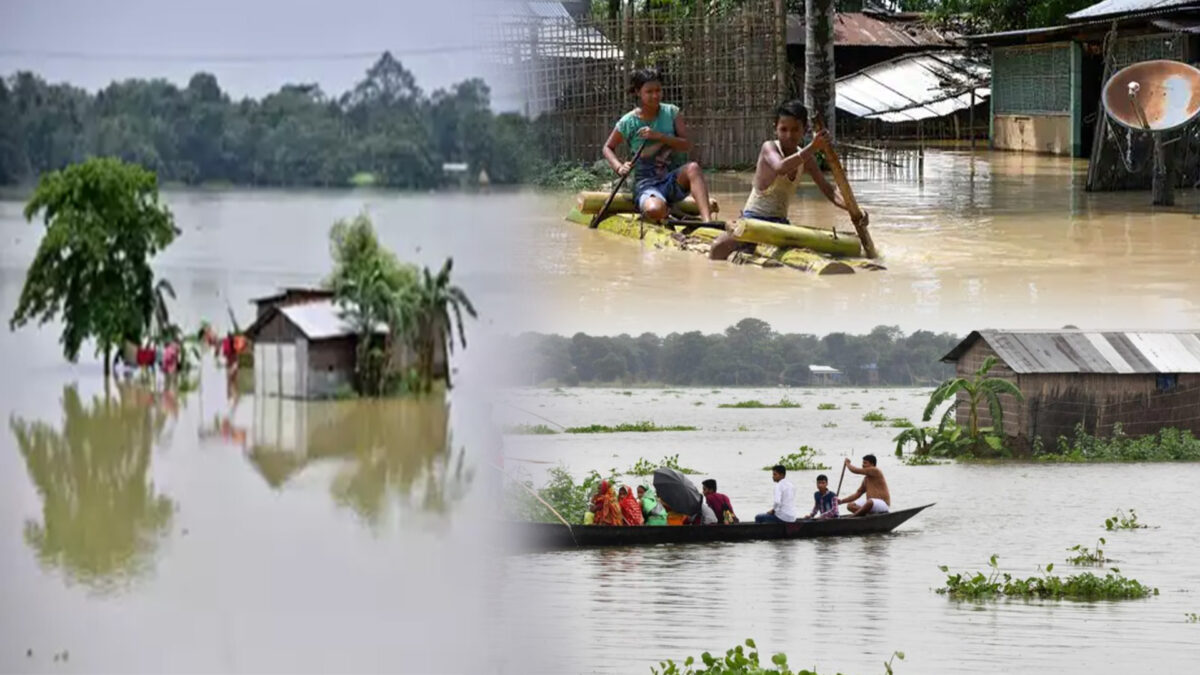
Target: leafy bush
{"x": 571, "y": 176}
{"x": 1168, "y": 445}
{"x": 875, "y": 416}
{"x": 643, "y": 467}
{"x": 801, "y": 460}
{"x": 569, "y": 498}
{"x": 643, "y": 426}
{"x": 784, "y": 402}
{"x": 1083, "y": 587}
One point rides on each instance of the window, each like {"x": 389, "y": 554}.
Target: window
{"x": 1167, "y": 382}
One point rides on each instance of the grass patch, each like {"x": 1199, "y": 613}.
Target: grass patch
{"x": 784, "y": 402}
{"x": 1192, "y": 617}
{"x": 741, "y": 660}
{"x": 643, "y": 467}
{"x": 698, "y": 403}
{"x": 1168, "y": 445}
{"x": 1086, "y": 556}
{"x": 830, "y": 425}
{"x": 803, "y": 459}
{"x": 637, "y": 427}
{"x": 1086, "y": 587}
{"x": 827, "y": 406}
{"x": 529, "y": 430}
{"x": 742, "y": 427}
{"x": 874, "y": 416}
{"x": 900, "y": 423}
{"x": 1120, "y": 521}
{"x": 921, "y": 460}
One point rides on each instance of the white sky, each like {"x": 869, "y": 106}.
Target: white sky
{"x": 252, "y": 46}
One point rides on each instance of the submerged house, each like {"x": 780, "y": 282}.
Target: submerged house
{"x": 1143, "y": 381}
{"x": 305, "y": 349}
{"x": 824, "y": 376}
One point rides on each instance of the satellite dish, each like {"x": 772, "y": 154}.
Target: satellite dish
{"x": 1153, "y": 96}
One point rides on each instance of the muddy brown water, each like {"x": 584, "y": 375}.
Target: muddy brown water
{"x": 844, "y": 605}
{"x": 145, "y": 532}
{"x": 984, "y": 240}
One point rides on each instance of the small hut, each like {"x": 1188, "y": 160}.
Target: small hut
{"x": 1144, "y": 381}
{"x": 824, "y": 376}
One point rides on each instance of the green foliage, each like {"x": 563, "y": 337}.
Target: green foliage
{"x": 875, "y": 416}
{"x": 1120, "y": 521}
{"x": 921, "y": 460}
{"x": 737, "y": 661}
{"x": 644, "y": 467}
{"x": 530, "y": 430}
{"x": 1082, "y": 587}
{"x": 1167, "y": 445}
{"x": 1192, "y": 617}
{"x": 827, "y": 406}
{"x": 830, "y": 425}
{"x": 900, "y": 423}
{"x": 436, "y": 300}
{"x": 569, "y": 498}
{"x": 989, "y": 16}
{"x": 977, "y": 441}
{"x": 784, "y": 402}
{"x": 1085, "y": 556}
{"x": 643, "y": 427}
{"x": 571, "y": 176}
{"x": 104, "y": 223}
{"x": 804, "y": 459}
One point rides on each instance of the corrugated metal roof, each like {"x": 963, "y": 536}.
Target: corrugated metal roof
{"x": 913, "y": 87}
{"x": 824, "y": 370}
{"x": 1101, "y": 352}
{"x": 856, "y": 29}
{"x": 1111, "y": 7}
{"x": 321, "y": 320}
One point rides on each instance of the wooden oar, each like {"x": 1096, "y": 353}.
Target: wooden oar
{"x": 839, "y": 487}
{"x": 839, "y": 177}
{"x": 604, "y": 209}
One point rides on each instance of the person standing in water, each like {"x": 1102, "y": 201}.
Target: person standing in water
{"x": 782, "y": 163}
{"x": 657, "y": 130}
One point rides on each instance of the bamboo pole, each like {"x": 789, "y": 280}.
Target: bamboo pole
{"x": 591, "y": 202}
{"x": 823, "y": 241}
{"x": 856, "y": 214}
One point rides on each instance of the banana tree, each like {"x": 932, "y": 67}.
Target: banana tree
{"x": 979, "y": 389}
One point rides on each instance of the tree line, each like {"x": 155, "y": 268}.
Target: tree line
{"x": 384, "y": 131}
{"x": 750, "y": 353}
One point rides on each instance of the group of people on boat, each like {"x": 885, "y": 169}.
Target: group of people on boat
{"x": 627, "y": 506}
{"x": 654, "y": 133}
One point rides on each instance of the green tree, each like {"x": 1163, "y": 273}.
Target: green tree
{"x": 979, "y": 389}
{"x": 104, "y": 223}
{"x": 436, "y": 299}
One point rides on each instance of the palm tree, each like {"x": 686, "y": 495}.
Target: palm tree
{"x": 435, "y": 298}
{"x": 979, "y": 388}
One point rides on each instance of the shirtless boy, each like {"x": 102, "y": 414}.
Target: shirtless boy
{"x": 872, "y": 496}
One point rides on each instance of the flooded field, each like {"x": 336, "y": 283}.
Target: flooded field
{"x": 990, "y": 240}
{"x": 142, "y": 531}
{"x": 845, "y": 605}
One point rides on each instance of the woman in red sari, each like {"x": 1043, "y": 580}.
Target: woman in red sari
{"x": 605, "y": 506}
{"x": 631, "y": 509}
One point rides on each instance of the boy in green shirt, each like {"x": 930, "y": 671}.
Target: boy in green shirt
{"x": 657, "y": 130}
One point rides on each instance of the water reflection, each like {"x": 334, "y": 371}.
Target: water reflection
{"x": 391, "y": 452}
{"x": 101, "y": 518}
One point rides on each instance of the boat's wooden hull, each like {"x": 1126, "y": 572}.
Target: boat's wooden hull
{"x": 699, "y": 240}
{"x": 553, "y": 536}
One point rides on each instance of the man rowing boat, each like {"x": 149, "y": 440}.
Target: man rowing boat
{"x": 872, "y": 496}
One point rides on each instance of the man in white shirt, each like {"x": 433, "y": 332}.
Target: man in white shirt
{"x": 784, "y": 508}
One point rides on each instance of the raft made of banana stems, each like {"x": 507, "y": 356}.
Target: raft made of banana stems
{"x": 768, "y": 244}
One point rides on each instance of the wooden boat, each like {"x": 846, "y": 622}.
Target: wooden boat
{"x": 770, "y": 244}
{"x": 555, "y": 536}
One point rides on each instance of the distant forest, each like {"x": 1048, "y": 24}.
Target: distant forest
{"x": 748, "y": 354}
{"x": 385, "y": 128}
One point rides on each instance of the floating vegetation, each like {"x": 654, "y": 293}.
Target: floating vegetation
{"x": 803, "y": 459}
{"x": 830, "y": 425}
{"x": 827, "y": 406}
{"x": 921, "y": 460}
{"x": 1168, "y": 445}
{"x": 875, "y": 416}
{"x": 854, "y": 404}
{"x": 529, "y": 430}
{"x": 784, "y": 402}
{"x": 742, "y": 427}
{"x": 644, "y": 468}
{"x": 739, "y": 661}
{"x": 642, "y": 427}
{"x": 1120, "y": 521}
{"x": 627, "y": 393}
{"x": 900, "y": 423}
{"x": 698, "y": 403}
{"x": 1086, "y": 556}
{"x": 1192, "y": 617}
{"x": 1082, "y": 587}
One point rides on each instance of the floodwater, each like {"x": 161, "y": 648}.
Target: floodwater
{"x": 844, "y": 605}
{"x": 983, "y": 240}
{"x": 147, "y": 532}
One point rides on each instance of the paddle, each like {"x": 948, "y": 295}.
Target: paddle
{"x": 604, "y": 209}
{"x": 839, "y": 177}
{"x": 839, "y": 487}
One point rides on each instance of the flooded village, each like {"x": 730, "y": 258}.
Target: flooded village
{"x": 680, "y": 336}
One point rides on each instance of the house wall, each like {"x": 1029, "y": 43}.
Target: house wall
{"x": 1049, "y": 134}
{"x": 330, "y": 366}
{"x": 1037, "y": 98}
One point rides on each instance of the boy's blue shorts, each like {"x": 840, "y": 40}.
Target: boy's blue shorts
{"x": 666, "y": 188}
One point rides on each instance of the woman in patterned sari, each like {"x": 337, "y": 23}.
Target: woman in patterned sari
{"x": 606, "y": 507}
{"x": 631, "y": 509}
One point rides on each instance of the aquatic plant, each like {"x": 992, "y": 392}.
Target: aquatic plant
{"x": 644, "y": 426}
{"x": 1085, "y": 556}
{"x": 1167, "y": 445}
{"x": 1120, "y": 521}
{"x": 830, "y": 425}
{"x": 529, "y": 430}
{"x": 698, "y": 403}
{"x": 627, "y": 393}
{"x": 1082, "y": 587}
{"x": 569, "y": 498}
{"x": 900, "y": 423}
{"x": 827, "y": 406}
{"x": 921, "y": 460}
{"x": 643, "y": 467}
{"x": 1192, "y": 617}
{"x": 784, "y": 402}
{"x": 804, "y": 459}
{"x": 739, "y": 661}
{"x": 875, "y": 416}
{"x": 742, "y": 427}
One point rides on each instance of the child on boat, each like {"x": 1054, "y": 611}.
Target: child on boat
{"x": 781, "y": 164}
{"x": 656, "y": 129}
{"x": 824, "y": 502}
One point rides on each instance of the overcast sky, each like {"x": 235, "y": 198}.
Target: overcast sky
{"x": 252, "y": 46}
